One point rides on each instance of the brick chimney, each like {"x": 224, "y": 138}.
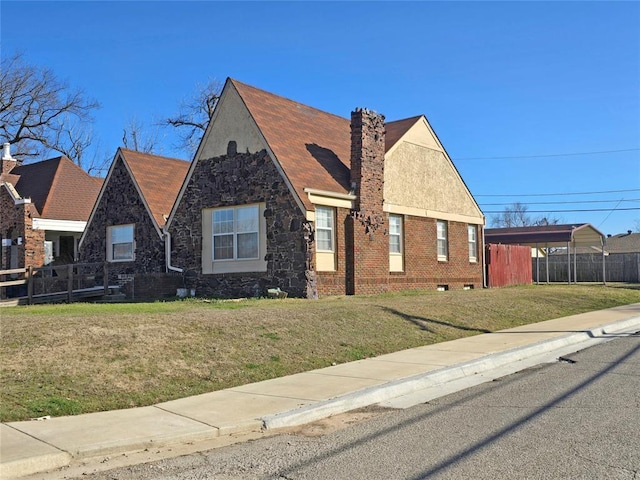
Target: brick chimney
{"x": 367, "y": 165}
{"x": 8, "y": 162}
{"x": 366, "y": 245}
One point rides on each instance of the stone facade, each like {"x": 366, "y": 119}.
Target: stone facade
{"x": 239, "y": 179}
{"x": 121, "y": 204}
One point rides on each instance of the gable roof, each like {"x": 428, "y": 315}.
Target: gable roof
{"x": 158, "y": 179}
{"x": 58, "y": 188}
{"x": 552, "y": 235}
{"x": 313, "y": 147}
{"x": 623, "y": 243}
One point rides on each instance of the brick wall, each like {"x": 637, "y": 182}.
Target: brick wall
{"x": 16, "y": 222}
{"x": 121, "y": 205}
{"x": 363, "y": 243}
{"x": 239, "y": 179}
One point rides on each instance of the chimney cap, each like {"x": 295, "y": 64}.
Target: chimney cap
{"x": 6, "y": 151}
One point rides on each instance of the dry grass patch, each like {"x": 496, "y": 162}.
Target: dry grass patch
{"x": 70, "y": 359}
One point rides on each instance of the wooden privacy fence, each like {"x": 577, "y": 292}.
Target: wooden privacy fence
{"x": 54, "y": 283}
{"x": 508, "y": 265}
{"x": 619, "y": 267}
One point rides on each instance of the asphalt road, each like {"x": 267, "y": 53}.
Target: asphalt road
{"x": 578, "y": 418}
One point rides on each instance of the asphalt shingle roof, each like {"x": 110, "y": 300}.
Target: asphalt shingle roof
{"x": 313, "y": 147}
{"x": 159, "y": 179}
{"x": 58, "y": 188}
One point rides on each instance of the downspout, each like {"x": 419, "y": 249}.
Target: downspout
{"x": 167, "y": 253}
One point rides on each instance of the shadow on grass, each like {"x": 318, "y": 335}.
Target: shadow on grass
{"x": 424, "y": 323}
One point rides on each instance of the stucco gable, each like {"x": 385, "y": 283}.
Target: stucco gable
{"x": 421, "y": 179}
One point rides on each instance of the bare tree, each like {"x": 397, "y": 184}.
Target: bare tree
{"x": 516, "y": 215}
{"x": 40, "y": 113}
{"x": 195, "y": 113}
{"x": 139, "y": 138}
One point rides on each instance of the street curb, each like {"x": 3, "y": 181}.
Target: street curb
{"x": 405, "y": 386}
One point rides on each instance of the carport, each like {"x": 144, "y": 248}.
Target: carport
{"x": 548, "y": 236}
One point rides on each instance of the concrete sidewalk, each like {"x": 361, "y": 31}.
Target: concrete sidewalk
{"x": 396, "y": 380}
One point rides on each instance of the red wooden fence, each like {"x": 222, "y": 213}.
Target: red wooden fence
{"x": 508, "y": 265}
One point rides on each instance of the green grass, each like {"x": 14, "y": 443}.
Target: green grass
{"x": 79, "y": 358}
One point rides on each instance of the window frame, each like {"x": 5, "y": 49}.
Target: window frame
{"x": 442, "y": 240}
{"x": 331, "y": 229}
{"x": 396, "y": 258}
{"x": 472, "y": 230}
{"x": 111, "y": 258}
{"x": 235, "y": 232}
{"x": 396, "y": 234}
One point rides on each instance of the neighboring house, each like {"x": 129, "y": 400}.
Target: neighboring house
{"x": 125, "y": 225}
{"x": 44, "y": 209}
{"x": 623, "y": 243}
{"x": 282, "y": 195}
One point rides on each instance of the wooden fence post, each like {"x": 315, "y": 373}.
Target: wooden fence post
{"x": 30, "y": 285}
{"x": 106, "y": 278}
{"x": 70, "y": 282}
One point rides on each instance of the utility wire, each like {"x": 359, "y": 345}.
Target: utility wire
{"x": 612, "y": 210}
{"x": 570, "y": 210}
{"x": 560, "y": 202}
{"x": 553, "y": 194}
{"x": 548, "y": 155}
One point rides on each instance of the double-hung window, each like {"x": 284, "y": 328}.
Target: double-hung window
{"x": 473, "y": 243}
{"x": 443, "y": 248}
{"x": 324, "y": 229}
{"x": 396, "y": 263}
{"x": 325, "y": 239}
{"x": 120, "y": 247}
{"x": 235, "y": 233}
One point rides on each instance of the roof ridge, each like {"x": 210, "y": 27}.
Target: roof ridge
{"x": 235, "y": 82}
{"x": 146, "y": 154}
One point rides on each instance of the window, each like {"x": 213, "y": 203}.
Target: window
{"x": 443, "y": 250}
{"x": 325, "y": 239}
{"x": 235, "y": 233}
{"x": 395, "y": 244}
{"x": 395, "y": 234}
{"x": 324, "y": 229}
{"x": 120, "y": 243}
{"x": 473, "y": 243}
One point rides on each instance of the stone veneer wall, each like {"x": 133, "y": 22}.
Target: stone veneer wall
{"x": 121, "y": 205}
{"x": 239, "y": 179}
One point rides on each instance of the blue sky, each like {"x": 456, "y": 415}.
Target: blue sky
{"x": 511, "y": 88}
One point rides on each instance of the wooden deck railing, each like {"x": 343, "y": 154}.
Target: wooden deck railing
{"x": 55, "y": 280}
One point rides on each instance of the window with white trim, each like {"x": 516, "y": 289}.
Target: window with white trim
{"x": 235, "y": 233}
{"x": 443, "y": 248}
{"x": 396, "y": 263}
{"x": 120, "y": 244}
{"x": 473, "y": 243}
{"x": 324, "y": 229}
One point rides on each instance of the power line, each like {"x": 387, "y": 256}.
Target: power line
{"x": 561, "y": 202}
{"x": 571, "y": 210}
{"x": 554, "y": 194}
{"x": 548, "y": 155}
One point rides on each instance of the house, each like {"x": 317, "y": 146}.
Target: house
{"x": 44, "y": 209}
{"x": 125, "y": 226}
{"x": 283, "y": 195}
